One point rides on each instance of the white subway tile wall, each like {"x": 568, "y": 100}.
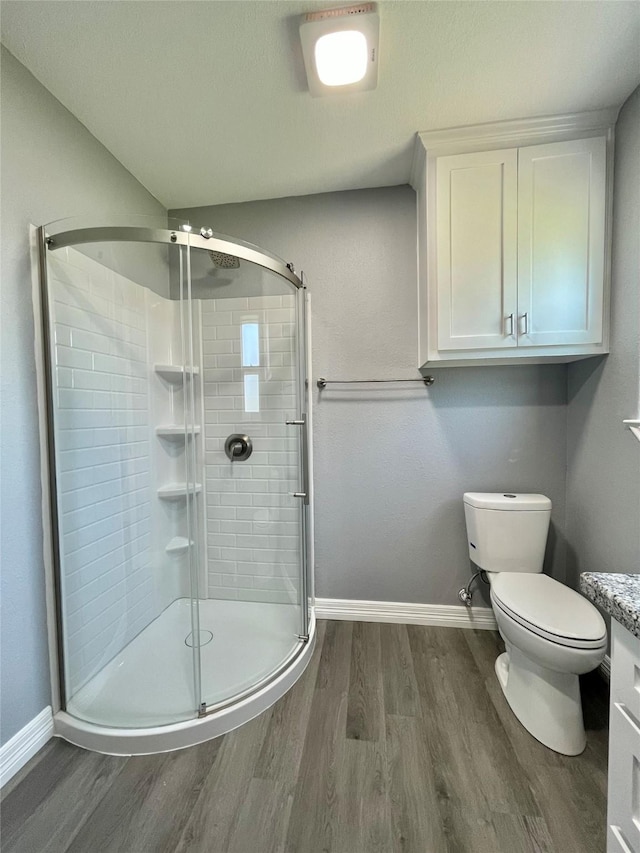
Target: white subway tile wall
{"x": 253, "y": 532}
{"x": 101, "y": 410}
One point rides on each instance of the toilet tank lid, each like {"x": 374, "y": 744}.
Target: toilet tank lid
{"x": 507, "y": 501}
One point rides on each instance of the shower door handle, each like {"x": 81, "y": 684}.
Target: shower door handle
{"x": 302, "y": 422}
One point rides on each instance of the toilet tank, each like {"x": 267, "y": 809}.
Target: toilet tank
{"x": 507, "y": 532}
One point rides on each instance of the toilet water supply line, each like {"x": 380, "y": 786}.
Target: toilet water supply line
{"x": 465, "y": 595}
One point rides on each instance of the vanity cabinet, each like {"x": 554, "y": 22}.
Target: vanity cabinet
{"x": 623, "y": 817}
{"x": 513, "y": 241}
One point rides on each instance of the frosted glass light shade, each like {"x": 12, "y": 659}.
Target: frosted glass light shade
{"x": 341, "y": 57}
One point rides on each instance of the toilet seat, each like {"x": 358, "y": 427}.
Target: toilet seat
{"x": 568, "y": 642}
{"x": 549, "y": 609}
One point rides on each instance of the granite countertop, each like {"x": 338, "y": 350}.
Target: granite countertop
{"x": 617, "y": 594}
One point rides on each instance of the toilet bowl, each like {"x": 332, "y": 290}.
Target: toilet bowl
{"x": 552, "y": 634}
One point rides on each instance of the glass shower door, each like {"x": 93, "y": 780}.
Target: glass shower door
{"x": 247, "y": 340}
{"x": 123, "y": 490}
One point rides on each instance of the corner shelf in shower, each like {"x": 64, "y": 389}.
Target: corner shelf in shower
{"x": 175, "y": 432}
{"x": 177, "y": 491}
{"x": 175, "y": 372}
{"x": 178, "y": 545}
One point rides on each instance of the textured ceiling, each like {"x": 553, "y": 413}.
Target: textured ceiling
{"x": 206, "y": 102}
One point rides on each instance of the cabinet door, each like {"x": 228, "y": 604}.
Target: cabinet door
{"x": 561, "y": 227}
{"x": 623, "y": 810}
{"x": 476, "y": 234}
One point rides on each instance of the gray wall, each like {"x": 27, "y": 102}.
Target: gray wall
{"x": 51, "y": 168}
{"x": 391, "y": 465}
{"x": 603, "y": 480}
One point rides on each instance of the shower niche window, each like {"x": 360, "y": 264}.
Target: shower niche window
{"x": 181, "y": 574}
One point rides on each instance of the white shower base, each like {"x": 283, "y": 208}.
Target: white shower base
{"x": 142, "y": 740}
{"x": 150, "y": 682}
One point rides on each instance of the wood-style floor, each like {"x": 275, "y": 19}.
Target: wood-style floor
{"x": 396, "y": 738}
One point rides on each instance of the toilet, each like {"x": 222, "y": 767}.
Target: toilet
{"x": 552, "y": 634}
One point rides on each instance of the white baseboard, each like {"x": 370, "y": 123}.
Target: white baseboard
{"x": 605, "y": 668}
{"x": 24, "y": 744}
{"x": 401, "y": 613}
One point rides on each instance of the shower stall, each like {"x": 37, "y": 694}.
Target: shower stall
{"x": 178, "y": 445}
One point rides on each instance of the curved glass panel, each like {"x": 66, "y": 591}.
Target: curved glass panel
{"x": 246, "y": 346}
{"x": 117, "y": 404}
{"x": 180, "y": 570}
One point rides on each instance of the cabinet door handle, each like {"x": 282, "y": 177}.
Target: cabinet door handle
{"x": 508, "y": 320}
{"x": 525, "y": 323}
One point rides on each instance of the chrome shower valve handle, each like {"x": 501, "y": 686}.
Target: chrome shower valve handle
{"x": 238, "y": 447}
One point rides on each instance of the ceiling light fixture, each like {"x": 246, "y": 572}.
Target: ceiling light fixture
{"x": 340, "y": 49}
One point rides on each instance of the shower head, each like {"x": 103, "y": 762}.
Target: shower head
{"x": 223, "y": 261}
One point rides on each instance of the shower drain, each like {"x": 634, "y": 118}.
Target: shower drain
{"x": 205, "y": 637}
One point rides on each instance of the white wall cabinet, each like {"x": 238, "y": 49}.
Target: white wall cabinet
{"x": 476, "y": 249}
{"x": 513, "y": 241}
{"x": 623, "y": 815}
